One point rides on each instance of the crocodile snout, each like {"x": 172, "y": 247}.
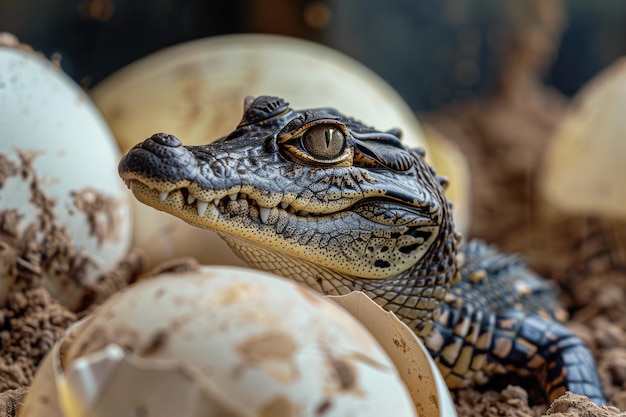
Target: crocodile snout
{"x": 161, "y": 157}
{"x": 166, "y": 140}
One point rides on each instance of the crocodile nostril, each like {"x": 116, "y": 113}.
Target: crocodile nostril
{"x": 166, "y": 140}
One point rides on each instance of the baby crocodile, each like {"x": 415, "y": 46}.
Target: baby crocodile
{"x": 325, "y": 200}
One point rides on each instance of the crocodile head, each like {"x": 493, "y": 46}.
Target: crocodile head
{"x": 314, "y": 196}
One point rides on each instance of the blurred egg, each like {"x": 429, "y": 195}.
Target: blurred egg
{"x": 450, "y": 162}
{"x": 62, "y": 208}
{"x": 223, "y": 341}
{"x": 202, "y": 86}
{"x": 200, "y": 95}
{"x": 585, "y": 165}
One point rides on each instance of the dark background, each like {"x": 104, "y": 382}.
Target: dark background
{"x": 432, "y": 52}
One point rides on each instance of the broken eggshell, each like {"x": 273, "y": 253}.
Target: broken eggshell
{"x": 415, "y": 365}
{"x": 60, "y": 194}
{"x": 202, "y": 87}
{"x": 233, "y": 342}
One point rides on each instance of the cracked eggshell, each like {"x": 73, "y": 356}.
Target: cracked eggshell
{"x": 200, "y": 94}
{"x": 59, "y": 188}
{"x": 415, "y": 365}
{"x": 238, "y": 342}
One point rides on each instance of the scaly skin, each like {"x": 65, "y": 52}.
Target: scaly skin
{"x": 325, "y": 200}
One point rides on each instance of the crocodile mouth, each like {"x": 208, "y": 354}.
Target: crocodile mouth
{"x": 203, "y": 208}
{"x": 358, "y": 239}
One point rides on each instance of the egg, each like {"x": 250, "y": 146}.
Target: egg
{"x": 583, "y": 169}
{"x": 64, "y": 215}
{"x": 201, "y": 90}
{"x": 222, "y": 341}
{"x": 451, "y": 163}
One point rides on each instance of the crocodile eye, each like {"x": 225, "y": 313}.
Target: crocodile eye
{"x": 324, "y": 141}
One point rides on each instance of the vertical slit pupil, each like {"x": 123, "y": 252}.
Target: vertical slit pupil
{"x": 324, "y": 142}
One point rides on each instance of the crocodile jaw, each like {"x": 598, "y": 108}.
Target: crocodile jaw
{"x": 372, "y": 253}
{"x": 361, "y": 205}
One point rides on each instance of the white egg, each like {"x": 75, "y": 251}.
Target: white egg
{"x": 234, "y": 342}
{"x": 224, "y": 341}
{"x": 59, "y": 189}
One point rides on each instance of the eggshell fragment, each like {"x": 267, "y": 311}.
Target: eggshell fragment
{"x": 241, "y": 342}
{"x": 60, "y": 194}
{"x": 201, "y": 89}
{"x": 415, "y": 365}
{"x": 585, "y": 166}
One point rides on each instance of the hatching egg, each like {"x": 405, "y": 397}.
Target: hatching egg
{"x": 223, "y": 341}
{"x": 64, "y": 213}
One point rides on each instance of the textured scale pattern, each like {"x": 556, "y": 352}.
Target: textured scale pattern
{"x": 340, "y": 206}
{"x": 518, "y": 333}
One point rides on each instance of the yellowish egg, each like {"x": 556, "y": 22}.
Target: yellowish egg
{"x": 196, "y": 92}
{"x": 584, "y": 167}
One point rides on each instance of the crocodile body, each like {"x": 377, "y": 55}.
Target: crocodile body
{"x": 325, "y": 200}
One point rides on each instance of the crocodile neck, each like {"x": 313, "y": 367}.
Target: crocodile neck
{"x": 413, "y": 295}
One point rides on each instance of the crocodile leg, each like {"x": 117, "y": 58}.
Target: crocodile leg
{"x": 519, "y": 334}
{"x": 480, "y": 345}
{"x": 532, "y": 345}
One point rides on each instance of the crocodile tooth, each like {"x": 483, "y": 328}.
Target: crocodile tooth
{"x": 202, "y": 207}
{"x": 233, "y": 196}
{"x": 163, "y": 196}
{"x": 264, "y": 213}
{"x": 190, "y": 199}
{"x": 284, "y": 206}
{"x": 216, "y": 202}
{"x": 303, "y": 213}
